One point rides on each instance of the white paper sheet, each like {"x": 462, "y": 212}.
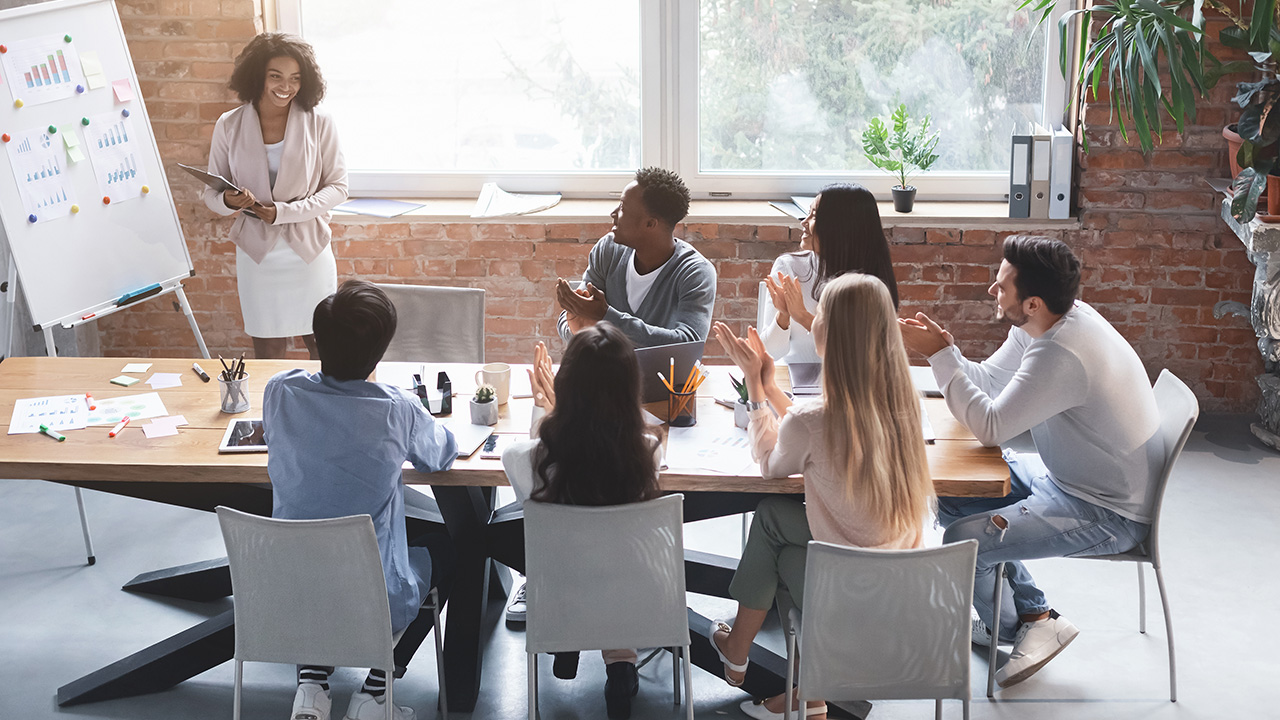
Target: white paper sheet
{"x": 137, "y": 407}
{"x": 726, "y": 451}
{"x": 39, "y": 167}
{"x": 172, "y": 420}
{"x": 160, "y": 381}
{"x": 42, "y": 69}
{"x": 136, "y": 368}
{"x": 114, "y": 149}
{"x": 155, "y": 430}
{"x": 59, "y": 412}
{"x": 496, "y": 202}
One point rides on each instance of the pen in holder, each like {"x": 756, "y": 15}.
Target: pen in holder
{"x": 682, "y": 408}
{"x": 234, "y": 393}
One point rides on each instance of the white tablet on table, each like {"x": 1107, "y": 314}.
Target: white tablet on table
{"x": 243, "y": 435}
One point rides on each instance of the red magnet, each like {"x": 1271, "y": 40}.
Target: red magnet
{"x": 4, "y": 48}
{"x": 5, "y": 137}
{"x": 106, "y": 200}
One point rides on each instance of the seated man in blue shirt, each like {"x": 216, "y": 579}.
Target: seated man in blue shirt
{"x": 338, "y": 442}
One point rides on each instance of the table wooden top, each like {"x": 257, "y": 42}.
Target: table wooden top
{"x": 958, "y": 464}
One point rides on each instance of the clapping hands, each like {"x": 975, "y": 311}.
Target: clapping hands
{"x": 788, "y": 298}
{"x": 542, "y": 378}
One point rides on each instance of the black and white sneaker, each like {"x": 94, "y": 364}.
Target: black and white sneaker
{"x": 517, "y": 609}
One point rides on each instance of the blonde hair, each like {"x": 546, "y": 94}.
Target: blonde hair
{"x": 872, "y": 409}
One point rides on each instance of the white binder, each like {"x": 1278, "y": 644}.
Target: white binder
{"x": 1060, "y": 170}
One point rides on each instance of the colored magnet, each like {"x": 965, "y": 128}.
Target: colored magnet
{"x": 5, "y": 137}
{"x": 146, "y": 189}
{"x": 4, "y": 48}
{"x": 79, "y": 88}
{"x": 31, "y": 218}
{"x": 17, "y": 103}
{"x": 75, "y": 208}
{"x": 67, "y": 38}
{"x": 125, "y": 112}
{"x": 106, "y": 200}
{"x": 84, "y": 121}
{"x": 53, "y": 129}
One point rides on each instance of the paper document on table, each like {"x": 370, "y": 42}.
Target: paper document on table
{"x": 155, "y": 430}
{"x": 160, "y": 381}
{"x": 136, "y": 368}
{"x": 715, "y": 449}
{"x": 496, "y": 202}
{"x": 137, "y": 407}
{"x": 58, "y": 412}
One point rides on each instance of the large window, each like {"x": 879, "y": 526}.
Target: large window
{"x": 749, "y": 97}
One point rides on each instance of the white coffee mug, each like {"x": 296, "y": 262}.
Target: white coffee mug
{"x": 499, "y": 376}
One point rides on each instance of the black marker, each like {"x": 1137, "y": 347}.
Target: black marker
{"x": 200, "y": 371}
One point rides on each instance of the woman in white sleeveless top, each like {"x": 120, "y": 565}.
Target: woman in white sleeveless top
{"x": 284, "y": 156}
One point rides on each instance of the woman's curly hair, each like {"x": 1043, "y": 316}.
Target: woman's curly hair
{"x": 250, "y": 73}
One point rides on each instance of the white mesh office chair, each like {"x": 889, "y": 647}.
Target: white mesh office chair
{"x": 1179, "y": 410}
{"x": 884, "y": 624}
{"x": 606, "y": 577}
{"x": 282, "y": 601}
{"x": 436, "y": 324}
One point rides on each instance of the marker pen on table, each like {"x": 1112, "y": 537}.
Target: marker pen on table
{"x": 44, "y": 430}
{"x": 93, "y": 405}
{"x": 200, "y": 371}
{"x": 116, "y": 430}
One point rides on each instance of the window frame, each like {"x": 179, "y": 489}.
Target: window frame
{"x": 669, "y": 131}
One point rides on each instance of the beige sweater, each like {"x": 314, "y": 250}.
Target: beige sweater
{"x": 798, "y": 445}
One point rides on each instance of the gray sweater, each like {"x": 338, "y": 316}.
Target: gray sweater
{"x": 1082, "y": 392}
{"x": 678, "y": 306}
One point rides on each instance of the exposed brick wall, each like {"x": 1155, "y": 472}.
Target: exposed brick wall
{"x": 1155, "y": 254}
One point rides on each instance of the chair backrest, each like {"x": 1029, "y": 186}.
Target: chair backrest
{"x": 605, "y": 577}
{"x": 308, "y": 591}
{"x": 886, "y": 624}
{"x": 1179, "y": 410}
{"x": 436, "y": 324}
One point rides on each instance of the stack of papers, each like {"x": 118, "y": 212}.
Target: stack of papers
{"x": 496, "y": 202}
{"x": 59, "y": 412}
{"x": 163, "y": 426}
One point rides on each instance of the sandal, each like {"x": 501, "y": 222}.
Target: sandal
{"x": 717, "y": 626}
{"x": 756, "y": 709}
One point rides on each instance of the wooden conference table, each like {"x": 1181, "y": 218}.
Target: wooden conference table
{"x": 186, "y": 470}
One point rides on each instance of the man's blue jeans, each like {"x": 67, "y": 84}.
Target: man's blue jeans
{"x": 1041, "y": 521}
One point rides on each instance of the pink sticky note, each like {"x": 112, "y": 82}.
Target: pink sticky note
{"x": 155, "y": 430}
{"x": 124, "y": 90}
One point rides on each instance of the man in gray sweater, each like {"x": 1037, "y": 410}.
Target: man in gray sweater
{"x": 1068, "y": 376}
{"x": 654, "y": 287}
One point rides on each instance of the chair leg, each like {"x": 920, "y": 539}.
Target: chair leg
{"x": 993, "y": 652}
{"x": 787, "y": 694}
{"x": 688, "y": 682}
{"x": 675, "y": 674}
{"x": 966, "y": 708}
{"x": 391, "y": 702}
{"x": 937, "y": 709}
{"x": 1168, "y": 631}
{"x": 84, "y": 528}
{"x": 239, "y": 679}
{"x": 1142, "y": 599}
{"x": 746, "y": 526}
{"x": 533, "y": 686}
{"x": 439, "y": 633}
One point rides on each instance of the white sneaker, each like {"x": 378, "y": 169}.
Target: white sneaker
{"x": 366, "y": 707}
{"x": 981, "y": 633}
{"x": 1035, "y": 644}
{"x": 517, "y": 608}
{"x": 311, "y": 702}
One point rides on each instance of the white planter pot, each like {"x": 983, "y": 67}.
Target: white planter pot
{"x": 740, "y": 415}
{"x": 484, "y": 413}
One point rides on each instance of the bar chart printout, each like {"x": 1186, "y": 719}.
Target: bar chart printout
{"x": 116, "y": 156}
{"x": 40, "y": 170}
{"x": 42, "y": 69}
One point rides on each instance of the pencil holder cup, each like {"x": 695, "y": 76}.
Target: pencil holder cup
{"x": 234, "y": 394}
{"x": 682, "y": 409}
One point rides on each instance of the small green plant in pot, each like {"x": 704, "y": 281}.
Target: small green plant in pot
{"x": 900, "y": 153}
{"x": 484, "y": 406}
{"x": 740, "y": 402}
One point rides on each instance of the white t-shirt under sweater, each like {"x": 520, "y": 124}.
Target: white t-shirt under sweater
{"x": 638, "y": 285}
{"x": 798, "y": 445}
{"x": 794, "y": 344}
{"x": 1082, "y": 392}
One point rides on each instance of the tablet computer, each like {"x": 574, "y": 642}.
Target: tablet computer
{"x": 243, "y": 435}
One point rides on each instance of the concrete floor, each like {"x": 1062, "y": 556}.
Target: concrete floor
{"x": 60, "y": 619}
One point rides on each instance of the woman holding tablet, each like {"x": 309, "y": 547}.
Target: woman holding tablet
{"x": 860, "y": 448}
{"x": 284, "y": 156}
{"x": 841, "y": 234}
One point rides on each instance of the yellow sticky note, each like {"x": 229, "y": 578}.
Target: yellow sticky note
{"x": 96, "y": 81}
{"x": 90, "y": 64}
{"x": 69, "y": 136}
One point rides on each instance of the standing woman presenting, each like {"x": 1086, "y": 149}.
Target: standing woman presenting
{"x": 285, "y": 157}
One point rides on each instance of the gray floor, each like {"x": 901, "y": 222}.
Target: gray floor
{"x": 60, "y": 619}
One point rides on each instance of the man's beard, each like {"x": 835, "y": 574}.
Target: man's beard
{"x": 1017, "y": 321}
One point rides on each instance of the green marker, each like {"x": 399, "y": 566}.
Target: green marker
{"x": 44, "y": 429}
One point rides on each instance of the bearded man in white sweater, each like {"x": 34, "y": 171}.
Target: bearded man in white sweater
{"x": 1067, "y": 375}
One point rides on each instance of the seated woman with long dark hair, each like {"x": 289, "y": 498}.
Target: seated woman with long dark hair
{"x": 592, "y": 448}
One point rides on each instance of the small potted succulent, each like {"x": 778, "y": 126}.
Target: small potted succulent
{"x": 901, "y": 153}
{"x": 484, "y": 406}
{"x": 740, "y": 416}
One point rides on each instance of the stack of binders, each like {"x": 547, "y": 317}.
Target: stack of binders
{"x": 1040, "y": 173}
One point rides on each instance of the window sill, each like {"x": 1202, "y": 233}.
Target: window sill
{"x": 985, "y": 215}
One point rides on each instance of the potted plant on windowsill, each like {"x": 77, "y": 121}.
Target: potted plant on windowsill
{"x": 484, "y": 407}
{"x": 900, "y": 153}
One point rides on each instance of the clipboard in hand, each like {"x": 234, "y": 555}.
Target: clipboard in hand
{"x": 217, "y": 182}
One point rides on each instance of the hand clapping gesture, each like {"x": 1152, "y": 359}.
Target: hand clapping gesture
{"x": 542, "y": 379}
{"x": 923, "y": 335}
{"x": 788, "y": 298}
{"x": 583, "y": 307}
